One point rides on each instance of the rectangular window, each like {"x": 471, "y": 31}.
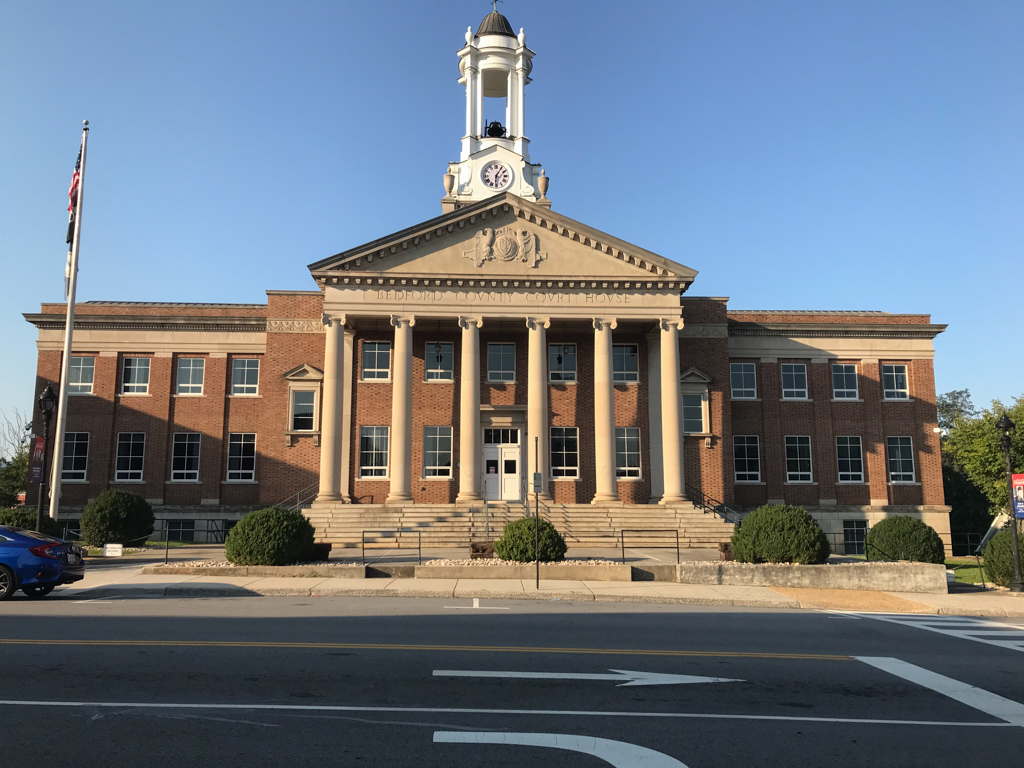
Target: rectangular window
{"x": 627, "y": 452}
{"x": 798, "y": 459}
{"x": 844, "y": 382}
{"x": 565, "y": 452}
{"x": 894, "y": 382}
{"x": 747, "y": 456}
{"x": 624, "y": 363}
{"x": 439, "y": 360}
{"x": 373, "y": 451}
{"x": 743, "y": 377}
{"x": 794, "y": 381}
{"x": 851, "y": 460}
{"x": 135, "y": 376}
{"x": 501, "y": 362}
{"x": 437, "y": 451}
{"x": 245, "y": 376}
{"x": 901, "y": 459}
{"x": 376, "y": 360}
{"x": 181, "y": 530}
{"x": 242, "y": 456}
{"x": 693, "y": 414}
{"x": 501, "y": 436}
{"x": 80, "y": 375}
{"x": 562, "y": 362}
{"x": 854, "y": 534}
{"x": 131, "y": 451}
{"x": 190, "y": 375}
{"x": 303, "y": 410}
{"x": 76, "y": 455}
{"x": 185, "y": 456}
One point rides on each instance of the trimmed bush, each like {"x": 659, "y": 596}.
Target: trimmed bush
{"x": 780, "y": 533}
{"x": 903, "y": 538}
{"x": 517, "y": 542}
{"x": 999, "y": 557}
{"x": 117, "y": 517}
{"x": 271, "y": 536}
{"x": 25, "y": 517}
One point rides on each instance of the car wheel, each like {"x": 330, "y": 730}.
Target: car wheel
{"x": 37, "y": 592}
{"x": 8, "y": 582}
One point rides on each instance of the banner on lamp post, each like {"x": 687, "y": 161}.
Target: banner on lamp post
{"x": 35, "y": 467}
{"x": 1018, "y": 496}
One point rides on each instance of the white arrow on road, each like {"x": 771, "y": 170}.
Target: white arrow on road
{"x": 622, "y": 676}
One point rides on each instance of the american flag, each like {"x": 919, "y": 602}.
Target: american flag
{"x": 72, "y": 203}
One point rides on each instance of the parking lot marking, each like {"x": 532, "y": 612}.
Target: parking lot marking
{"x": 977, "y": 630}
{"x": 978, "y": 698}
{"x": 621, "y": 754}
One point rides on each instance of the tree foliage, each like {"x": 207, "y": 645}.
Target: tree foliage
{"x": 953, "y": 406}
{"x": 974, "y": 448}
{"x": 13, "y": 477}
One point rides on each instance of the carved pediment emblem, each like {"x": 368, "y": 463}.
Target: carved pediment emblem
{"x": 505, "y": 244}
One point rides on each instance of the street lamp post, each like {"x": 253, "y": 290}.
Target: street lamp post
{"x": 47, "y": 405}
{"x": 1006, "y": 426}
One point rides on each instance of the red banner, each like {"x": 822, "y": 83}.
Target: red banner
{"x": 35, "y": 467}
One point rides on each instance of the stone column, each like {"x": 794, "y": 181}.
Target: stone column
{"x": 332, "y": 434}
{"x": 470, "y": 439}
{"x": 537, "y": 405}
{"x": 401, "y": 413}
{"x": 671, "y": 413}
{"x": 604, "y": 413}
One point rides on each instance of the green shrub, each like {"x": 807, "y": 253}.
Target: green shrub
{"x": 999, "y": 557}
{"x": 117, "y": 517}
{"x": 518, "y": 540}
{"x": 271, "y": 536}
{"x": 903, "y": 538}
{"x": 25, "y": 517}
{"x": 779, "y": 533}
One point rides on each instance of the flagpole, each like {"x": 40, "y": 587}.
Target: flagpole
{"x": 69, "y": 327}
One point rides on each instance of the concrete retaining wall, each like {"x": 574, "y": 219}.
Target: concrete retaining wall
{"x": 882, "y": 577}
{"x": 527, "y": 571}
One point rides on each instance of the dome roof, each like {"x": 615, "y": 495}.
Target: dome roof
{"x": 495, "y": 24}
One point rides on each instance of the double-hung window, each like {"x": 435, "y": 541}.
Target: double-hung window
{"x": 851, "y": 460}
{"x": 303, "y": 410}
{"x": 501, "y": 362}
{"x": 437, "y": 451}
{"x": 743, "y": 377}
{"x": 185, "y": 457}
{"x": 439, "y": 360}
{"x": 747, "y": 458}
{"x": 81, "y": 374}
{"x": 76, "y": 456}
{"x": 625, "y": 365}
{"x": 844, "y": 382}
{"x": 562, "y": 362}
{"x": 376, "y": 360}
{"x": 131, "y": 454}
{"x": 565, "y": 452}
{"x": 242, "y": 456}
{"x": 798, "y": 459}
{"x": 627, "y": 452}
{"x": 794, "y": 381}
{"x": 245, "y": 376}
{"x": 373, "y": 451}
{"x": 190, "y": 375}
{"x": 135, "y": 376}
{"x": 894, "y": 382}
{"x": 901, "y": 459}
{"x": 693, "y": 414}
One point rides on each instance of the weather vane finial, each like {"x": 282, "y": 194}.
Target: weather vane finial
{"x": 496, "y": 4}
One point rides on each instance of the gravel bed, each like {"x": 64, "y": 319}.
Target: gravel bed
{"x": 495, "y": 561}
{"x": 226, "y": 564}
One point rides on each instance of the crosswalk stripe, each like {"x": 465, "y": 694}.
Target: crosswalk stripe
{"x": 985, "y": 631}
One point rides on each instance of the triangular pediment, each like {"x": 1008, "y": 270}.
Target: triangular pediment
{"x": 503, "y": 237}
{"x": 694, "y": 376}
{"x": 304, "y": 372}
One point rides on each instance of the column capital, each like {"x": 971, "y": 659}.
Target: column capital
{"x": 466, "y": 322}
{"x": 670, "y": 323}
{"x": 605, "y": 323}
{"x": 535, "y": 323}
{"x": 328, "y": 319}
{"x": 398, "y": 320}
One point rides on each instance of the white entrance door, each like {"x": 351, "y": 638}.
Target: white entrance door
{"x": 502, "y": 465}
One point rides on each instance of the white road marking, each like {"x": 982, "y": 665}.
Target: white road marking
{"x": 838, "y": 614}
{"x": 621, "y": 754}
{"x": 623, "y": 677}
{"x": 476, "y": 604}
{"x": 978, "y": 698}
{"x": 978, "y": 630}
{"x": 468, "y": 711}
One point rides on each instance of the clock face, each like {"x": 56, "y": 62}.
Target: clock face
{"x": 496, "y": 176}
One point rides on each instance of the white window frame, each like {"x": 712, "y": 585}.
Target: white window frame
{"x": 294, "y": 390}
{"x": 563, "y": 375}
{"x": 694, "y": 383}
{"x": 437, "y": 470}
{"x": 896, "y": 392}
{"x": 905, "y": 445}
{"x": 798, "y": 476}
{"x": 135, "y": 387}
{"x": 743, "y": 373}
{"x": 701, "y": 406}
{"x": 793, "y": 392}
{"x": 72, "y": 440}
{"x": 128, "y": 475}
{"x": 245, "y": 389}
{"x": 375, "y": 374}
{"x": 627, "y": 472}
{"x": 241, "y": 474}
{"x": 186, "y": 475}
{"x": 430, "y": 354}
{"x": 625, "y": 376}
{"x": 850, "y": 475}
{"x": 75, "y": 374}
{"x": 191, "y": 385}
{"x": 565, "y": 471}
{"x": 386, "y": 434}
{"x": 844, "y": 393}
{"x": 746, "y": 475}
{"x": 496, "y": 375}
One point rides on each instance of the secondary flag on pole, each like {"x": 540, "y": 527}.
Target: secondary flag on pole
{"x": 72, "y": 212}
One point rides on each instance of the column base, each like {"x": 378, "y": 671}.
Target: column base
{"x": 605, "y": 498}
{"x": 672, "y": 498}
{"x": 398, "y": 499}
{"x": 469, "y": 498}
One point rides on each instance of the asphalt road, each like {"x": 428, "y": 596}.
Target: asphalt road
{"x": 393, "y": 682}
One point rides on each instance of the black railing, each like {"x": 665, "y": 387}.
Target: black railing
{"x": 709, "y": 504}
{"x": 398, "y": 541}
{"x": 622, "y": 538}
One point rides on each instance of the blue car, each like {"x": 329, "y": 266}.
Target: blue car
{"x": 36, "y": 563}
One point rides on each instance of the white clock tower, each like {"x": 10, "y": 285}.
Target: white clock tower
{"x": 494, "y": 64}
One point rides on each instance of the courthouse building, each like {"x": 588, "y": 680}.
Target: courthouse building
{"x": 450, "y": 362}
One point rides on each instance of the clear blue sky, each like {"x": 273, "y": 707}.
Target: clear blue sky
{"x": 801, "y": 155}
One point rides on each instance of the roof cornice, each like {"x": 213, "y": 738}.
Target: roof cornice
{"x": 244, "y": 324}
{"x": 837, "y": 330}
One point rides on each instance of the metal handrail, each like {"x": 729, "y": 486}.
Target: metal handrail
{"x": 417, "y": 531}
{"x": 301, "y": 497}
{"x": 707, "y": 503}
{"x": 624, "y": 531}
